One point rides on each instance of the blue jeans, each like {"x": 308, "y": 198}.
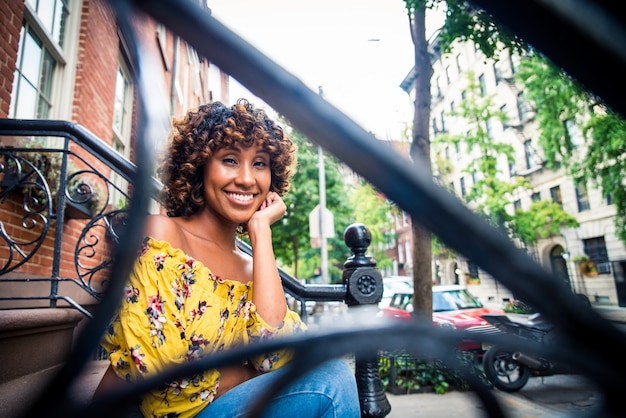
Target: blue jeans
{"x": 329, "y": 391}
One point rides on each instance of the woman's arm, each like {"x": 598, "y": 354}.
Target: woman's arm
{"x": 268, "y": 295}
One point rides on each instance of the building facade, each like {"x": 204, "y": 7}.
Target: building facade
{"x": 595, "y": 238}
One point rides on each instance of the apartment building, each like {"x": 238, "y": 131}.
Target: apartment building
{"x": 595, "y": 237}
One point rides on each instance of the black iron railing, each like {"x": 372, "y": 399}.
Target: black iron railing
{"x": 591, "y": 343}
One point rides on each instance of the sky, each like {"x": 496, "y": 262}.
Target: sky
{"x": 357, "y": 51}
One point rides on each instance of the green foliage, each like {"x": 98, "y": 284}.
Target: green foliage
{"x": 559, "y": 101}
{"x": 543, "y": 219}
{"x": 464, "y": 22}
{"x": 516, "y": 306}
{"x": 372, "y": 209}
{"x": 401, "y": 372}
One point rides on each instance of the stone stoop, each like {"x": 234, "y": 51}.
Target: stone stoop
{"x": 34, "y": 343}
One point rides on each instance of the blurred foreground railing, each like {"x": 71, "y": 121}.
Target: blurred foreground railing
{"x": 591, "y": 343}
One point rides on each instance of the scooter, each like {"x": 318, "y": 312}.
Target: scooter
{"x": 509, "y": 371}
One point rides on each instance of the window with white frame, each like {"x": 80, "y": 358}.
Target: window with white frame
{"x": 409, "y": 254}
{"x": 582, "y": 198}
{"x": 555, "y": 194}
{"x": 529, "y": 155}
{"x": 482, "y": 84}
{"x": 122, "y": 126}
{"x": 40, "y": 54}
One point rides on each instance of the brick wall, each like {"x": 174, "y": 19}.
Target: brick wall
{"x": 11, "y": 13}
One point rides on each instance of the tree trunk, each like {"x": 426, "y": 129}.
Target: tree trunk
{"x": 420, "y": 153}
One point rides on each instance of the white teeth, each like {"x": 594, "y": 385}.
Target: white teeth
{"x": 241, "y": 197}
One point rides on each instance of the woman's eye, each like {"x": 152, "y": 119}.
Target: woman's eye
{"x": 260, "y": 164}
{"x": 229, "y": 161}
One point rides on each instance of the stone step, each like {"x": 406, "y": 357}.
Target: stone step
{"x": 34, "y": 340}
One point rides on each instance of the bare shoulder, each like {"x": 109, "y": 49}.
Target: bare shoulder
{"x": 163, "y": 228}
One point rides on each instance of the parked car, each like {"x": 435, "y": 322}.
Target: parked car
{"x": 453, "y": 307}
{"x": 393, "y": 285}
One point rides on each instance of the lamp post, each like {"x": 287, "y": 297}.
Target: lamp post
{"x": 322, "y": 212}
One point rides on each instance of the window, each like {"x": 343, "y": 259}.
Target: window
{"x": 452, "y": 106}
{"x": 448, "y": 75}
{"x": 489, "y": 128}
{"x": 446, "y": 152}
{"x": 535, "y": 197}
{"x": 595, "y": 248}
{"x": 457, "y": 150}
{"x": 472, "y": 269}
{"x": 39, "y": 54}
{"x": 512, "y": 169}
{"x": 122, "y": 124}
{"x": 483, "y": 85}
{"x": 555, "y": 194}
{"x": 435, "y": 128}
{"x": 462, "y": 182}
{"x": 517, "y": 205}
{"x": 459, "y": 64}
{"x": 505, "y": 117}
{"x": 574, "y": 132}
{"x": 521, "y": 107}
{"x": 438, "y": 86}
{"x": 443, "y": 121}
{"x": 497, "y": 73}
{"x": 122, "y": 108}
{"x": 528, "y": 154}
{"x": 407, "y": 250}
{"x": 581, "y": 196}
{"x": 512, "y": 64}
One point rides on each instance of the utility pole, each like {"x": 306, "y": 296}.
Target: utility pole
{"x": 322, "y": 191}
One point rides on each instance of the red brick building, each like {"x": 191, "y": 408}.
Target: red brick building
{"x": 67, "y": 60}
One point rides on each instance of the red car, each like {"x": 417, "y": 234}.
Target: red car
{"x": 453, "y": 307}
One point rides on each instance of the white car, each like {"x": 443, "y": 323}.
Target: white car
{"x": 393, "y": 285}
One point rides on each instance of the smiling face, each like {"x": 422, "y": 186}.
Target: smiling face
{"x": 236, "y": 182}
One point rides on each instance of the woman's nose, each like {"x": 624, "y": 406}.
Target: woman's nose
{"x": 245, "y": 176}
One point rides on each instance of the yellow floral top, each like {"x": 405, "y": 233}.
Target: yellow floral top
{"x": 175, "y": 310}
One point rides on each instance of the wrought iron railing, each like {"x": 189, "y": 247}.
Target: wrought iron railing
{"x": 40, "y": 175}
{"x": 592, "y": 345}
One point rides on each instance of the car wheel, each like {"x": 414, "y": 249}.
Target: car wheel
{"x": 503, "y": 372}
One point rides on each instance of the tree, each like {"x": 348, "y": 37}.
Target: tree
{"x": 464, "y": 23}
{"x": 564, "y": 109}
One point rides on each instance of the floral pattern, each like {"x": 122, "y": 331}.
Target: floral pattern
{"x": 186, "y": 312}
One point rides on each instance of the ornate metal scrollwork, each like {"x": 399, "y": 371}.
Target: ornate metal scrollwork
{"x": 23, "y": 183}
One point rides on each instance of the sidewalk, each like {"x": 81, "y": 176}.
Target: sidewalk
{"x": 463, "y": 404}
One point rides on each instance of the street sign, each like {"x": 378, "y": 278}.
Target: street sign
{"x": 314, "y": 223}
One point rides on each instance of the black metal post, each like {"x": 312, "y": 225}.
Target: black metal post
{"x": 365, "y": 289}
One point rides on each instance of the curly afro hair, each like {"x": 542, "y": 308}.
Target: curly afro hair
{"x": 207, "y": 129}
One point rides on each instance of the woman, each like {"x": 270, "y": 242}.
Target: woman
{"x": 192, "y": 292}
